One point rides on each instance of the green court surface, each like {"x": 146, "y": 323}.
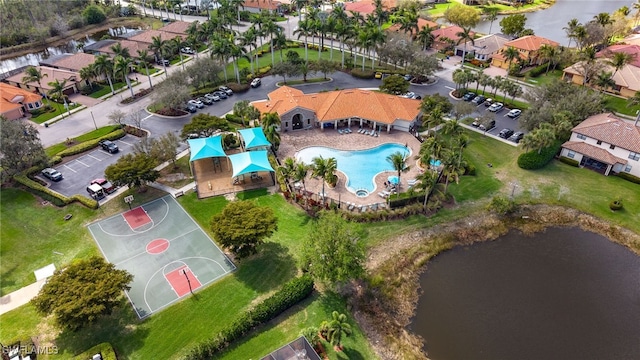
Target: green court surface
{"x": 169, "y": 255}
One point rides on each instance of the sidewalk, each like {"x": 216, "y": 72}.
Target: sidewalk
{"x": 20, "y": 297}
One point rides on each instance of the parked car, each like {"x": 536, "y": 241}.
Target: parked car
{"x": 256, "y": 82}
{"x": 468, "y": 96}
{"x": 495, "y": 107}
{"x": 212, "y": 97}
{"x": 196, "y": 103}
{"x": 408, "y": 77}
{"x": 409, "y": 95}
{"x": 160, "y": 62}
{"x": 221, "y": 94}
{"x": 490, "y": 125}
{"x": 106, "y": 185}
{"x": 476, "y": 122}
{"x": 516, "y": 137}
{"x": 52, "y": 174}
{"x": 488, "y": 102}
{"x": 378, "y": 75}
{"x": 95, "y": 191}
{"x": 478, "y": 99}
{"x": 109, "y": 146}
{"x": 514, "y": 113}
{"x": 205, "y": 100}
{"x": 226, "y": 90}
{"x": 187, "y": 50}
{"x": 505, "y": 133}
{"x": 190, "y": 108}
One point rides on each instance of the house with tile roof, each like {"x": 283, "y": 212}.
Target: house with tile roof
{"x": 483, "y": 48}
{"x": 447, "y": 37}
{"x": 73, "y": 79}
{"x": 71, "y": 62}
{"x": 627, "y": 79}
{"x": 256, "y": 6}
{"x": 176, "y": 27}
{"x": 366, "y": 7}
{"x": 528, "y": 47}
{"x": 16, "y": 102}
{"x": 340, "y": 108}
{"x": 145, "y": 38}
{"x": 421, "y": 24}
{"x": 605, "y": 143}
{"x": 132, "y": 46}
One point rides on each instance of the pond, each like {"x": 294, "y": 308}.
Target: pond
{"x": 562, "y": 294}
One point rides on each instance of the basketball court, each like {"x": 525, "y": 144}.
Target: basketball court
{"x": 165, "y": 250}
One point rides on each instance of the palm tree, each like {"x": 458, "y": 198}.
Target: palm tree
{"x": 465, "y": 35}
{"x": 272, "y": 29}
{"x": 511, "y": 54}
{"x": 425, "y": 37}
{"x": 300, "y": 174}
{"x": 160, "y": 48}
{"x": 270, "y": 124}
{"x": 103, "y": 65}
{"x": 288, "y": 169}
{"x": 570, "y": 30}
{"x": 119, "y": 50}
{"x": 33, "y": 74}
{"x": 399, "y": 162}
{"x": 143, "y": 57}
{"x": 338, "y": 327}
{"x": 300, "y": 4}
{"x": 604, "y": 80}
{"x": 324, "y": 168}
{"x": 88, "y": 73}
{"x": 635, "y": 100}
{"x": 619, "y": 60}
{"x": 304, "y": 29}
{"x": 177, "y": 44}
{"x": 221, "y": 48}
{"x": 491, "y": 15}
{"x": 548, "y": 53}
{"x": 427, "y": 181}
{"x": 581, "y": 35}
{"x": 57, "y": 89}
{"x": 123, "y": 67}
{"x": 273, "y": 136}
{"x": 539, "y": 138}
{"x": 248, "y": 39}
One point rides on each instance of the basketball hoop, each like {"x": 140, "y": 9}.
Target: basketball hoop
{"x": 128, "y": 199}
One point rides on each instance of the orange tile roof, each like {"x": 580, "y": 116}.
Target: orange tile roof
{"x": 76, "y": 61}
{"x": 633, "y": 50}
{"x": 421, "y": 24}
{"x": 593, "y": 152}
{"x": 611, "y": 129}
{"x": 261, "y": 4}
{"x": 449, "y": 32}
{"x": 627, "y": 77}
{"x": 132, "y": 46}
{"x": 50, "y": 75}
{"x": 531, "y": 42}
{"x": 146, "y": 36}
{"x": 176, "y": 27}
{"x": 342, "y": 104}
{"x": 11, "y": 97}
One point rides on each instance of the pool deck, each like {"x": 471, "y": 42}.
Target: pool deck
{"x": 292, "y": 142}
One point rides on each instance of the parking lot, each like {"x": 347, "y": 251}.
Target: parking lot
{"x": 79, "y": 172}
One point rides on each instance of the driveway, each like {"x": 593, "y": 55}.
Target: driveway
{"x": 87, "y": 101}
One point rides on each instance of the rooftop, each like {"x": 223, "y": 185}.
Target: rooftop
{"x": 611, "y": 129}
{"x": 50, "y": 75}
{"x": 12, "y": 97}
{"x": 531, "y": 42}
{"x": 73, "y": 62}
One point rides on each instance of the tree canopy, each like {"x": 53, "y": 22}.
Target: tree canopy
{"x": 463, "y": 16}
{"x": 85, "y": 291}
{"x": 394, "y": 84}
{"x": 334, "y": 251}
{"x": 242, "y": 226}
{"x": 205, "y": 125}
{"x": 513, "y": 25}
{"x": 20, "y": 146}
{"x": 133, "y": 170}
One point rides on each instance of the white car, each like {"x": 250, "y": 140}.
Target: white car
{"x": 495, "y": 107}
{"x": 514, "y": 113}
{"x": 256, "y": 82}
{"x": 196, "y": 103}
{"x": 213, "y": 97}
{"x": 226, "y": 90}
{"x": 409, "y": 95}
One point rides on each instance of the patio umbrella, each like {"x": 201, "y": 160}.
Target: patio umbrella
{"x": 393, "y": 180}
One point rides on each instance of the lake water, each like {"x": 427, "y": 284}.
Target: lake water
{"x": 561, "y": 294}
{"x": 549, "y": 22}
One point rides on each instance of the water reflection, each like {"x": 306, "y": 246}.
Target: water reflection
{"x": 563, "y": 294}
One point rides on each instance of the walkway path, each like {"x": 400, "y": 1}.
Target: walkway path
{"x": 20, "y": 297}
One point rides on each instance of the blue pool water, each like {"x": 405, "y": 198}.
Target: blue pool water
{"x": 360, "y": 166}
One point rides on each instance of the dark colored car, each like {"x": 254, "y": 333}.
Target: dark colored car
{"x": 468, "y": 96}
{"x": 516, "y": 137}
{"x": 160, "y": 62}
{"x": 489, "y": 126}
{"x": 109, "y": 146}
{"x": 205, "y": 100}
{"x": 52, "y": 174}
{"x": 221, "y": 94}
{"x": 505, "y": 133}
{"x": 190, "y": 108}
{"x": 106, "y": 185}
{"x": 478, "y": 99}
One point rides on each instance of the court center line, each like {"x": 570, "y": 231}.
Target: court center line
{"x": 145, "y": 251}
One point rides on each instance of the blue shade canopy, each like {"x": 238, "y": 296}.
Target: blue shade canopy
{"x": 393, "y": 179}
{"x": 254, "y": 138}
{"x": 250, "y": 161}
{"x": 204, "y": 148}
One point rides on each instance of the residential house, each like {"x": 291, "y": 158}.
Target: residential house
{"x": 483, "y": 48}
{"x": 341, "y": 108}
{"x": 605, "y": 143}
{"x": 145, "y": 38}
{"x": 626, "y": 79}
{"x": 367, "y": 7}
{"x": 421, "y": 24}
{"x": 73, "y": 80}
{"x": 256, "y": 6}
{"x": 71, "y": 62}
{"x": 447, "y": 37}
{"x": 176, "y": 27}
{"x": 132, "y": 46}
{"x": 528, "y": 47}
{"x": 16, "y": 102}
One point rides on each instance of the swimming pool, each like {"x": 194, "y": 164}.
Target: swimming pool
{"x": 360, "y": 166}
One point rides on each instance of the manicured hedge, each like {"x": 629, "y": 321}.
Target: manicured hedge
{"x": 367, "y": 74}
{"x": 52, "y": 196}
{"x": 104, "y": 349}
{"x": 569, "y": 161}
{"x": 88, "y": 145}
{"x": 629, "y": 177}
{"x": 290, "y": 294}
{"x": 537, "y": 71}
{"x": 532, "y": 160}
{"x": 238, "y": 88}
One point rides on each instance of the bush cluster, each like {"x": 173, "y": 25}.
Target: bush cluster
{"x": 290, "y": 294}
{"x": 386, "y": 214}
{"x": 629, "y": 177}
{"x": 569, "y": 161}
{"x": 90, "y": 144}
{"x": 238, "y": 88}
{"x": 52, "y": 196}
{"x": 537, "y": 71}
{"x": 367, "y": 74}
{"x": 532, "y": 160}
{"x": 615, "y": 205}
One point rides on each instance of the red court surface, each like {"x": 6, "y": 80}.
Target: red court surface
{"x": 157, "y": 246}
{"x": 179, "y": 282}
{"x": 136, "y": 217}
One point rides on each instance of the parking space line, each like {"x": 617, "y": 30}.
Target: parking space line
{"x": 91, "y": 156}
{"x": 125, "y": 142}
{"x": 82, "y": 163}
{"x": 69, "y": 168}
{"x": 147, "y": 117}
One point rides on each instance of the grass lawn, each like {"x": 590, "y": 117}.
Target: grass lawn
{"x": 59, "y": 109}
{"x": 544, "y": 78}
{"x": 619, "y": 105}
{"x": 54, "y": 149}
{"x": 183, "y": 165}
{"x": 106, "y": 89}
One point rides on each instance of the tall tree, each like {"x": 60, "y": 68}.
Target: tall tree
{"x": 160, "y": 49}
{"x": 511, "y": 54}
{"x": 20, "y": 147}
{"x": 143, "y": 58}
{"x": 242, "y": 226}
{"x": 570, "y": 29}
{"x": 491, "y": 15}
{"x": 549, "y": 54}
{"x": 619, "y": 60}
{"x": 463, "y": 16}
{"x": 425, "y": 37}
{"x": 33, "y": 74}
{"x": 513, "y": 25}
{"x": 82, "y": 294}
{"x": 398, "y": 161}
{"x": 119, "y": 50}
{"x": 104, "y": 66}
{"x": 57, "y": 91}
{"x": 133, "y": 170}
{"x": 465, "y": 36}
{"x": 123, "y": 67}
{"x": 246, "y": 111}
{"x": 325, "y": 169}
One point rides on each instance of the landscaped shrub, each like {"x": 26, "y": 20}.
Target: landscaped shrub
{"x": 263, "y": 70}
{"x": 629, "y": 177}
{"x": 238, "y": 88}
{"x": 50, "y": 195}
{"x": 104, "y": 349}
{"x": 615, "y": 205}
{"x": 367, "y": 74}
{"x": 88, "y": 145}
{"x": 469, "y": 169}
{"x": 537, "y": 71}
{"x": 90, "y": 203}
{"x": 532, "y": 160}
{"x": 569, "y": 161}
{"x": 289, "y": 294}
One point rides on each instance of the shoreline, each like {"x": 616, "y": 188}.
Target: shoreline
{"x": 385, "y": 304}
